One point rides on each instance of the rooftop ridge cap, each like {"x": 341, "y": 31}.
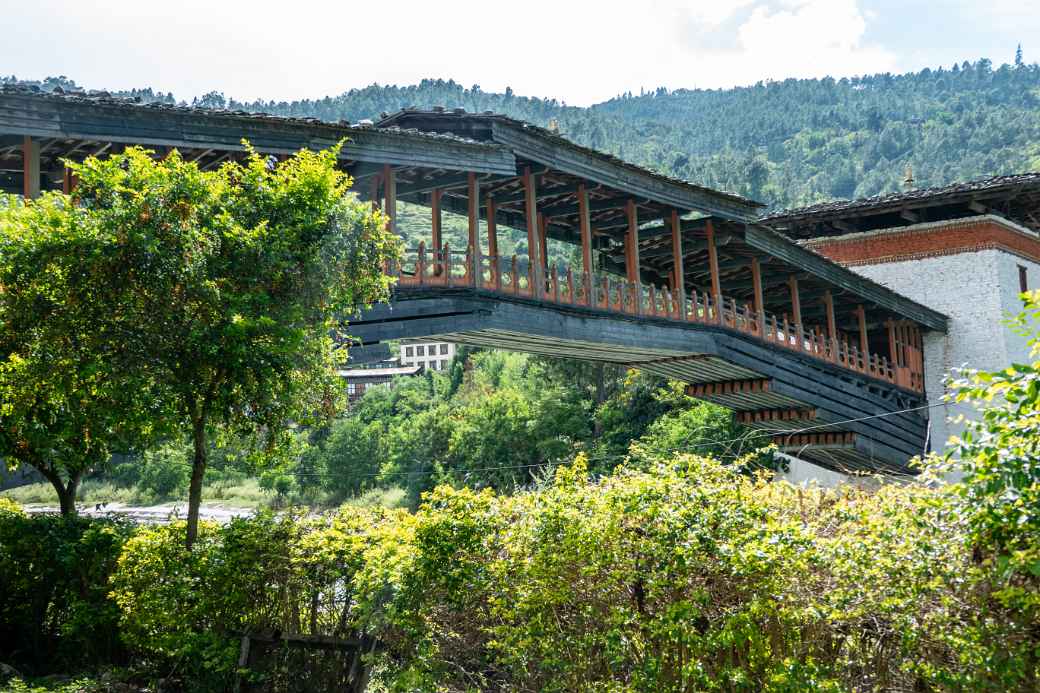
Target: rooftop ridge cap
{"x": 959, "y": 186}
{"x": 919, "y": 227}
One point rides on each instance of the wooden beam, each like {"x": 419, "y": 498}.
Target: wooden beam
{"x": 390, "y": 196}
{"x": 418, "y": 187}
{"x": 678, "y": 272}
{"x": 585, "y": 228}
{"x": 30, "y": 167}
{"x": 521, "y": 195}
{"x": 563, "y": 209}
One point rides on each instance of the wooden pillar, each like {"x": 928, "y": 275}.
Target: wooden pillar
{"x": 435, "y": 219}
{"x": 796, "y": 306}
{"x": 68, "y": 181}
{"x": 585, "y": 228}
{"x": 832, "y": 328}
{"x": 632, "y": 257}
{"x": 473, "y": 200}
{"x": 492, "y": 229}
{"x": 864, "y": 344}
{"x": 756, "y": 286}
{"x": 713, "y": 266}
{"x": 390, "y": 196}
{"x": 476, "y": 266}
{"x": 531, "y": 215}
{"x": 374, "y": 191}
{"x": 436, "y": 239}
{"x": 891, "y": 325}
{"x": 678, "y": 272}
{"x": 30, "y": 168}
{"x": 543, "y": 240}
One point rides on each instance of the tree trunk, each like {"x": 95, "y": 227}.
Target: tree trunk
{"x": 601, "y": 396}
{"x": 198, "y": 470}
{"x": 66, "y": 491}
{"x": 67, "y": 496}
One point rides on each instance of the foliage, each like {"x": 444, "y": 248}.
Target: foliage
{"x": 79, "y": 685}
{"x": 184, "y": 611}
{"x": 502, "y": 420}
{"x": 54, "y": 610}
{"x": 227, "y": 286}
{"x": 682, "y": 575}
{"x": 998, "y": 461}
{"x": 67, "y": 402}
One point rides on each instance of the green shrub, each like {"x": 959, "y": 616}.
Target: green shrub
{"x": 54, "y": 609}
{"x": 682, "y": 575}
{"x": 185, "y": 611}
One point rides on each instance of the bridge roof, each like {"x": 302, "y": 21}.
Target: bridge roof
{"x": 1015, "y": 197}
{"x": 569, "y": 162}
{"x": 779, "y": 258}
{"x": 77, "y": 124}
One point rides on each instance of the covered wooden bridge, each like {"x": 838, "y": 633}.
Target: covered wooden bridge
{"x": 669, "y": 277}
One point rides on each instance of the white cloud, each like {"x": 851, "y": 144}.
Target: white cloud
{"x": 580, "y": 52}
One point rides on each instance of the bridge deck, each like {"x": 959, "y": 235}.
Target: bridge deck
{"x": 613, "y": 294}
{"x": 810, "y": 405}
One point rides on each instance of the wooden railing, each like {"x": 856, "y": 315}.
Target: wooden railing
{"x": 515, "y": 276}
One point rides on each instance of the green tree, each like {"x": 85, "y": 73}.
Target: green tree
{"x": 66, "y": 400}
{"x": 231, "y": 284}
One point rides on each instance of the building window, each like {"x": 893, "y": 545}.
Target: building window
{"x": 420, "y": 350}
{"x": 444, "y": 364}
{"x": 351, "y": 389}
{"x": 444, "y": 348}
{"x": 408, "y": 351}
{"x": 1023, "y": 279}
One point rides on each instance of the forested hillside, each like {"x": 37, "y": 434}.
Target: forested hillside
{"x": 784, "y": 143}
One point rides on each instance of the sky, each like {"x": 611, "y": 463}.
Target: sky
{"x": 575, "y": 51}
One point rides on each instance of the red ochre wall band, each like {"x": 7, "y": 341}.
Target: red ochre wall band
{"x": 914, "y": 244}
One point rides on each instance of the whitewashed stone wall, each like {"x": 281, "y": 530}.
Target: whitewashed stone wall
{"x": 977, "y": 290}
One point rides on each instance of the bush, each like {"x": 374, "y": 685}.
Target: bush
{"x": 683, "y": 575}
{"x": 184, "y": 612}
{"x": 54, "y": 610}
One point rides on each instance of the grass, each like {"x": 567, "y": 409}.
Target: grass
{"x": 244, "y": 493}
